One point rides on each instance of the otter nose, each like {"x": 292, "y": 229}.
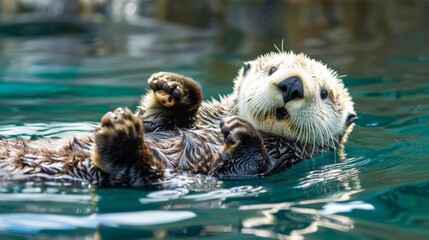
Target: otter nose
{"x": 291, "y": 88}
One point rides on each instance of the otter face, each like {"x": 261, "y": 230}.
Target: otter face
{"x": 296, "y": 97}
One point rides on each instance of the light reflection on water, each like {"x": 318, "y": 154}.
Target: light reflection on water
{"x": 59, "y": 86}
{"x": 34, "y": 223}
{"x": 49, "y": 130}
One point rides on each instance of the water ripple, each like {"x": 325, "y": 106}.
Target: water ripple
{"x": 33, "y": 223}
{"x": 52, "y": 130}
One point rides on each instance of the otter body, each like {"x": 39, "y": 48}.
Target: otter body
{"x": 284, "y": 108}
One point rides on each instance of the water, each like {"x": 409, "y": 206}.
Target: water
{"x": 59, "y": 85}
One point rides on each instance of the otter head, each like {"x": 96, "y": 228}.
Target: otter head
{"x": 294, "y": 96}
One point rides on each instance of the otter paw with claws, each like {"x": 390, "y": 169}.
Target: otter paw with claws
{"x": 173, "y": 102}
{"x": 238, "y": 132}
{"x": 243, "y": 153}
{"x": 173, "y": 89}
{"x": 118, "y": 139}
{"x": 121, "y": 123}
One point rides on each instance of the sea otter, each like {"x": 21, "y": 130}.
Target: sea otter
{"x": 284, "y": 107}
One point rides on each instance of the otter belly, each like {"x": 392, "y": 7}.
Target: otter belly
{"x": 191, "y": 150}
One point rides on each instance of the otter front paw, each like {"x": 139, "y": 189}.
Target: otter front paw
{"x": 243, "y": 152}
{"x": 117, "y": 125}
{"x": 118, "y": 138}
{"x": 239, "y": 135}
{"x": 173, "y": 103}
{"x": 121, "y": 152}
{"x": 172, "y": 89}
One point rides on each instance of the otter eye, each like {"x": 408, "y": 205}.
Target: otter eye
{"x": 246, "y": 67}
{"x": 323, "y": 94}
{"x": 272, "y": 70}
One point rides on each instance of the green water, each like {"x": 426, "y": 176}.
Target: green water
{"x": 59, "y": 86}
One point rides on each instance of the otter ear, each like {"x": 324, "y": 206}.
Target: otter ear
{"x": 351, "y": 118}
{"x": 246, "y": 67}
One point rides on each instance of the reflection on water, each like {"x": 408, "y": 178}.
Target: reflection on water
{"x": 49, "y": 130}
{"x": 265, "y": 220}
{"x": 59, "y": 74}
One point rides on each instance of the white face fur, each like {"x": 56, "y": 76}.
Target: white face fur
{"x": 322, "y": 116}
